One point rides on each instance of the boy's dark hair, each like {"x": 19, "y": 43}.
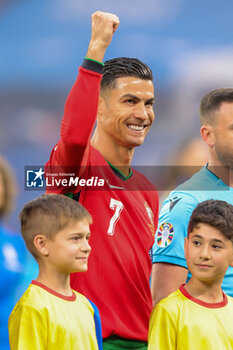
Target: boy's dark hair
{"x": 47, "y": 215}
{"x": 211, "y": 103}
{"x": 122, "y": 67}
{"x": 216, "y": 213}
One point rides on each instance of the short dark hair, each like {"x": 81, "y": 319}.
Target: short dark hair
{"x": 211, "y": 102}
{"x": 216, "y": 213}
{"x": 122, "y": 67}
{"x": 47, "y": 215}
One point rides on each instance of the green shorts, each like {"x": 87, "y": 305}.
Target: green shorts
{"x": 117, "y": 343}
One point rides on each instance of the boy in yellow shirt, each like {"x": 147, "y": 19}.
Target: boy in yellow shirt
{"x": 50, "y": 315}
{"x": 199, "y": 315}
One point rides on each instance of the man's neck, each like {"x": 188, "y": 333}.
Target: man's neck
{"x": 223, "y": 172}
{"x": 119, "y": 156}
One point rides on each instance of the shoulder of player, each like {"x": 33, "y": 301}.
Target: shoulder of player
{"x": 175, "y": 213}
{"x": 80, "y": 296}
{"x": 96, "y": 158}
{"x": 230, "y": 301}
{"x": 189, "y": 184}
{"x": 197, "y": 189}
{"x": 30, "y": 301}
{"x": 142, "y": 179}
{"x": 203, "y": 180}
{"x": 33, "y": 294}
{"x": 172, "y": 303}
{"x": 188, "y": 192}
{"x": 85, "y": 301}
{"x": 179, "y": 201}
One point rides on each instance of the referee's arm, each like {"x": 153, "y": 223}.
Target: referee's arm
{"x": 166, "y": 279}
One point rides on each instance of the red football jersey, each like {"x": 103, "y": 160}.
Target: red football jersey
{"x": 124, "y": 214}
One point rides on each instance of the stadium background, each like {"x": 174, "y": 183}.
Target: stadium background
{"x": 188, "y": 45}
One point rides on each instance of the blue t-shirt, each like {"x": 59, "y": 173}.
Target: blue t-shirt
{"x": 175, "y": 214}
{"x": 17, "y": 268}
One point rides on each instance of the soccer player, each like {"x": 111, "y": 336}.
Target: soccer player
{"x": 199, "y": 315}
{"x": 125, "y": 212}
{"x": 50, "y": 315}
{"x": 213, "y": 181}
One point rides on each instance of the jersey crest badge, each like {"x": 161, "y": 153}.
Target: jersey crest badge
{"x": 165, "y": 235}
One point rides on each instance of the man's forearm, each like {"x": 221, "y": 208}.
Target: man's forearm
{"x": 103, "y": 27}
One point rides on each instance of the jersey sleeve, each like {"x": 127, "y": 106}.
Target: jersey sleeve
{"x": 162, "y": 329}
{"x": 27, "y": 329}
{"x": 172, "y": 229}
{"x": 98, "y": 327}
{"x": 78, "y": 121}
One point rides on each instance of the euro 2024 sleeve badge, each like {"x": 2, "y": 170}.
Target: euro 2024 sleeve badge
{"x": 165, "y": 234}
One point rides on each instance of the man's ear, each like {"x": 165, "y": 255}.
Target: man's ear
{"x": 231, "y": 262}
{"x": 101, "y": 107}
{"x": 41, "y": 244}
{"x": 208, "y": 134}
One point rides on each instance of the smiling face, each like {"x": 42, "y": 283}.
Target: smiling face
{"x": 125, "y": 112}
{"x": 208, "y": 253}
{"x": 69, "y": 251}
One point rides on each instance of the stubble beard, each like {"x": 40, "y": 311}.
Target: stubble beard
{"x": 225, "y": 159}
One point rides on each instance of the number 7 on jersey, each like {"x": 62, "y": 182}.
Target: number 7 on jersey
{"x": 118, "y": 207}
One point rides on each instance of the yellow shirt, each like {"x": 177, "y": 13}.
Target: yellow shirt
{"x": 45, "y": 320}
{"x": 181, "y": 322}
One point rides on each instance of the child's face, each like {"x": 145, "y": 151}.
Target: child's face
{"x": 70, "y": 250}
{"x": 208, "y": 253}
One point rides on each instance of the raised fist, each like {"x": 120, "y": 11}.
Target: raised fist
{"x": 103, "y": 27}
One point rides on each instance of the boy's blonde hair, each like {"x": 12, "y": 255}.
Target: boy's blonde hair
{"x": 47, "y": 215}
